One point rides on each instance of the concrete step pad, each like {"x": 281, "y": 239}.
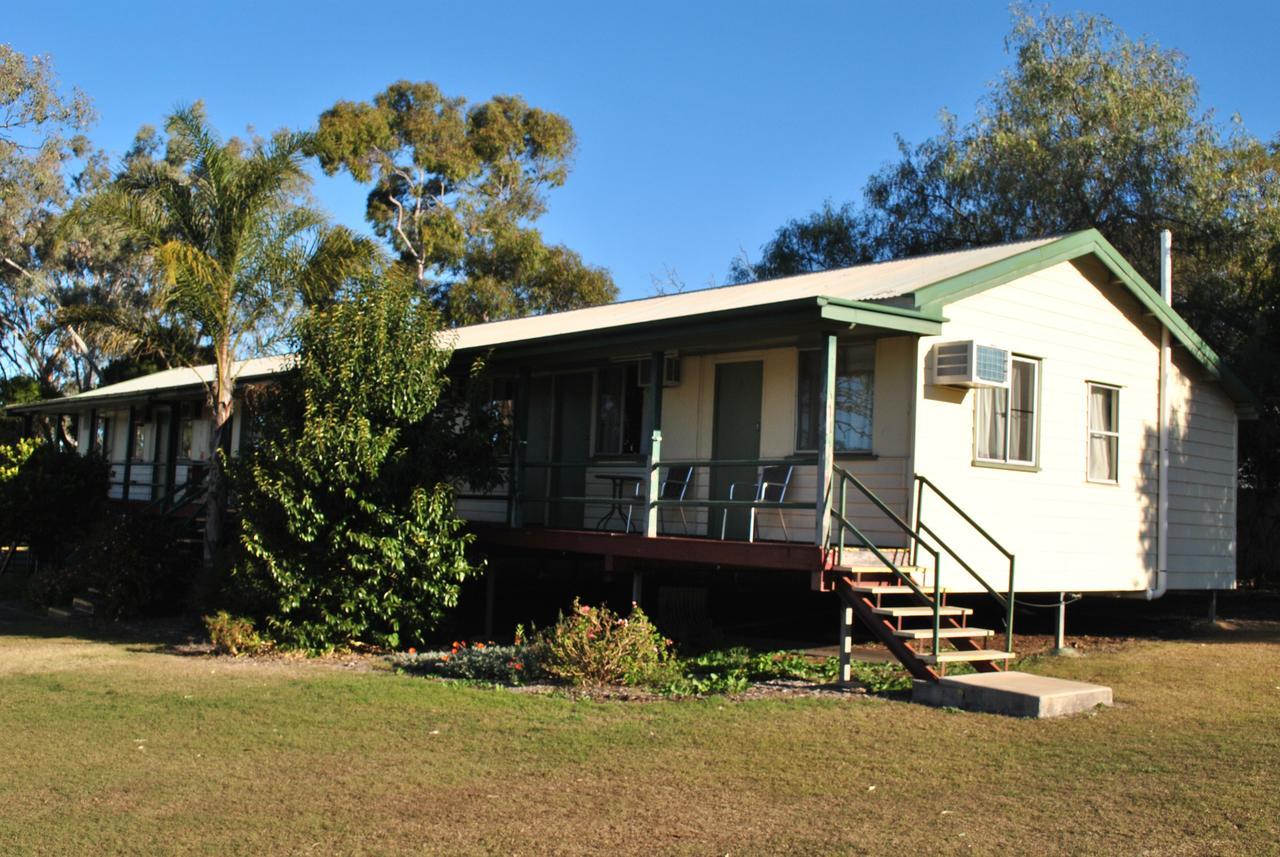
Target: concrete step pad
{"x": 969, "y": 656}
{"x": 944, "y": 633}
{"x": 921, "y": 610}
{"x": 1016, "y": 694}
{"x": 82, "y": 605}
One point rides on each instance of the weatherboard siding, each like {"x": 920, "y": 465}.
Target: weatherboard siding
{"x": 1068, "y": 534}
{"x": 1202, "y": 481}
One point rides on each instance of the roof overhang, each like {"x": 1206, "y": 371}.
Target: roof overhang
{"x": 754, "y": 324}
{"x": 102, "y": 396}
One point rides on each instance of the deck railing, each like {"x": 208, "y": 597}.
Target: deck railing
{"x": 158, "y": 482}
{"x": 650, "y": 497}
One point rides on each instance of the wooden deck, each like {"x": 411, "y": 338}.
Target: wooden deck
{"x": 778, "y": 556}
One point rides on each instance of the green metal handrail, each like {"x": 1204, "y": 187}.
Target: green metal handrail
{"x": 847, "y": 478}
{"x": 167, "y": 500}
{"x": 798, "y": 461}
{"x": 1007, "y": 601}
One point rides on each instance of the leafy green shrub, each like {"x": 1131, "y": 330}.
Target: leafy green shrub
{"x": 734, "y": 670}
{"x": 881, "y": 678}
{"x": 347, "y": 524}
{"x": 595, "y": 646}
{"x": 50, "y": 498}
{"x": 131, "y": 564}
{"x": 233, "y": 635}
{"x": 52, "y": 584}
{"x": 511, "y": 665}
{"x": 14, "y": 455}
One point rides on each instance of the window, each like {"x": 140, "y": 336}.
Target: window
{"x": 855, "y": 388}
{"x": 141, "y": 440}
{"x": 186, "y": 430}
{"x": 1104, "y": 434}
{"x": 502, "y": 401}
{"x": 1006, "y": 420}
{"x": 619, "y": 410}
{"x": 100, "y": 440}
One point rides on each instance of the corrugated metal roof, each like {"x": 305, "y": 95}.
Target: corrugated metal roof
{"x": 167, "y": 379}
{"x": 879, "y": 281}
{"x": 874, "y": 282}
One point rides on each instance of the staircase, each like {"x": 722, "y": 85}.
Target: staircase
{"x": 900, "y": 600}
{"x": 183, "y": 507}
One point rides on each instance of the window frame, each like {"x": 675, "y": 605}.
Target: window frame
{"x": 1033, "y": 463}
{"x": 867, "y": 451}
{"x": 1090, "y": 432}
{"x": 597, "y": 388}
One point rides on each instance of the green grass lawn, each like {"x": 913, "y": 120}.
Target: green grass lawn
{"x": 119, "y": 748}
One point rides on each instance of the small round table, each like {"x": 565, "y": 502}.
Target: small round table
{"x": 618, "y": 507}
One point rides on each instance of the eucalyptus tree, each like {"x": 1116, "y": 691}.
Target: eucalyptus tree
{"x": 240, "y": 252}
{"x": 1086, "y": 128}
{"x": 41, "y": 137}
{"x": 455, "y": 189}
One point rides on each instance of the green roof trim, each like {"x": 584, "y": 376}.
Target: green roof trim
{"x": 931, "y": 298}
{"x": 883, "y": 316}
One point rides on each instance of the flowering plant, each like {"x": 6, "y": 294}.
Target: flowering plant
{"x": 595, "y": 646}
{"x": 483, "y": 662}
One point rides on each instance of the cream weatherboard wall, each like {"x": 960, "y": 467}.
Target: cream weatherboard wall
{"x": 686, "y": 434}
{"x": 1067, "y": 533}
{"x": 1202, "y": 480}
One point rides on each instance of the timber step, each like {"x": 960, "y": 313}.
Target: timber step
{"x": 944, "y": 633}
{"x": 968, "y": 656}
{"x": 880, "y": 569}
{"x": 82, "y": 605}
{"x": 883, "y": 589}
{"x": 921, "y": 610}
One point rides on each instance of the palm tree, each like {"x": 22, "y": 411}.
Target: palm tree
{"x": 238, "y": 248}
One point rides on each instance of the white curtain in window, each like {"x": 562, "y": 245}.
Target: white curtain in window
{"x": 1022, "y": 404}
{"x": 1102, "y": 447}
{"x": 991, "y": 417}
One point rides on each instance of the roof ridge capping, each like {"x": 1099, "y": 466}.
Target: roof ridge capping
{"x": 1066, "y": 248}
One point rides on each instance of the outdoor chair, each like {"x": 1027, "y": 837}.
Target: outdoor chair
{"x": 673, "y": 487}
{"x": 771, "y": 487}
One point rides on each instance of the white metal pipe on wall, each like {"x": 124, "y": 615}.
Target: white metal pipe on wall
{"x": 1161, "y": 582}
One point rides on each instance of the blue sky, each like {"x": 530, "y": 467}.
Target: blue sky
{"x": 702, "y": 126}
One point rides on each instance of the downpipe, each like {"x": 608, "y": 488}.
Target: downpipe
{"x": 1161, "y": 584}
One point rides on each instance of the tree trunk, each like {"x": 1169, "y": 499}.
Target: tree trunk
{"x": 219, "y": 447}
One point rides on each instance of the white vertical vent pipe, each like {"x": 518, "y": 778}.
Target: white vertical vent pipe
{"x": 1161, "y": 582}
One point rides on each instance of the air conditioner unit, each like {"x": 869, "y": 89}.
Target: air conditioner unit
{"x": 670, "y": 372}
{"x": 969, "y": 364}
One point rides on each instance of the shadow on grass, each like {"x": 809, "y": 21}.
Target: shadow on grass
{"x": 178, "y": 635}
